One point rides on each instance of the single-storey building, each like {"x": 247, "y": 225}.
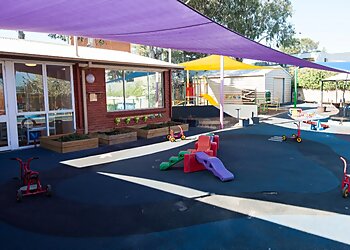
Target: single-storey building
{"x": 49, "y": 89}
{"x": 277, "y": 81}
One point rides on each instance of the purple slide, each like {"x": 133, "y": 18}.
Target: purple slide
{"x": 214, "y": 165}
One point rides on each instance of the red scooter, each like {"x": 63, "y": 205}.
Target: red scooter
{"x": 346, "y": 181}
{"x": 30, "y": 182}
{"x": 294, "y": 136}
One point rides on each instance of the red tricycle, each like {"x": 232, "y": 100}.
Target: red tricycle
{"x": 346, "y": 180}
{"x": 173, "y": 136}
{"x": 30, "y": 182}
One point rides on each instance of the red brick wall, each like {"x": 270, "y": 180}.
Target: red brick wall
{"x": 98, "y": 117}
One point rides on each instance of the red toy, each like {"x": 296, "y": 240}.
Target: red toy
{"x": 30, "y": 182}
{"x": 173, "y": 136}
{"x": 346, "y": 180}
{"x": 206, "y": 144}
{"x": 294, "y": 136}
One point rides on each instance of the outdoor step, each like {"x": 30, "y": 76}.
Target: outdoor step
{"x": 215, "y": 123}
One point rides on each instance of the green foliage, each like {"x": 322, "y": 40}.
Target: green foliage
{"x": 258, "y": 20}
{"x": 72, "y": 137}
{"x": 177, "y": 56}
{"x": 297, "y": 46}
{"x": 117, "y": 120}
{"x": 311, "y": 79}
{"x": 127, "y": 120}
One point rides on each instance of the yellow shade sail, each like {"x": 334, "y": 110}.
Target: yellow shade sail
{"x": 213, "y": 63}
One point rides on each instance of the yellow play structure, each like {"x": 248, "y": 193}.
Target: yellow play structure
{"x": 197, "y": 91}
{"x": 210, "y": 99}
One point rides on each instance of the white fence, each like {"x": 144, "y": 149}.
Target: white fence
{"x": 314, "y": 95}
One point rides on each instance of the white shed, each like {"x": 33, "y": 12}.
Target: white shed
{"x": 277, "y": 81}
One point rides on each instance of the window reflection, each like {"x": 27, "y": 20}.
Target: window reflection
{"x": 127, "y": 90}
{"x": 61, "y": 123}
{"x": 29, "y": 87}
{"x": 30, "y": 129}
{"x": 59, "y": 87}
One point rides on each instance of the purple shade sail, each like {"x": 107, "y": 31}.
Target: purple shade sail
{"x": 162, "y": 23}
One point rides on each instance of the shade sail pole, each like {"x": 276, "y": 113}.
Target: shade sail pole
{"x": 222, "y": 92}
{"x": 295, "y": 87}
{"x": 321, "y": 94}
{"x": 187, "y": 87}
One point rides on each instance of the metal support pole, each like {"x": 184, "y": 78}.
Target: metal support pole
{"x": 169, "y": 55}
{"x": 222, "y": 92}
{"x": 295, "y": 87}
{"x": 187, "y": 86}
{"x": 321, "y": 94}
{"x": 336, "y": 92}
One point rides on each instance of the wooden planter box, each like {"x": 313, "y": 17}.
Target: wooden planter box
{"x": 126, "y": 135}
{"x": 50, "y": 143}
{"x": 150, "y": 133}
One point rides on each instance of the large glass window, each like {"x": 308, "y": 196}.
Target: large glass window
{"x": 61, "y": 123}
{"x": 114, "y": 90}
{"x": 59, "y": 87}
{"x": 29, "y": 87}
{"x": 128, "y": 90}
{"x": 35, "y": 117}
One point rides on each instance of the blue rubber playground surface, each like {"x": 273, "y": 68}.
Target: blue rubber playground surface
{"x": 116, "y": 206}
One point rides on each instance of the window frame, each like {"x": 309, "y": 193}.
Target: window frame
{"x": 150, "y": 109}
{"x": 46, "y": 110}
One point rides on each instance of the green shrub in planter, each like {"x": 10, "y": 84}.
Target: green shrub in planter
{"x": 72, "y": 137}
{"x": 127, "y": 120}
{"x": 117, "y": 121}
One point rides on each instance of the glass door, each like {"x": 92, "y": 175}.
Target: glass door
{"x": 4, "y": 138}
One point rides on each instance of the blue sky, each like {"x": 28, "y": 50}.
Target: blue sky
{"x": 324, "y": 21}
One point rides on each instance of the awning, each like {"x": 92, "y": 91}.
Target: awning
{"x": 213, "y": 63}
{"x": 162, "y": 23}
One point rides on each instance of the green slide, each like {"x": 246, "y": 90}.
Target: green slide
{"x": 173, "y": 160}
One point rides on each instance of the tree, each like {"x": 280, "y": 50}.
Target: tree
{"x": 259, "y": 20}
{"x": 311, "y": 79}
{"x": 300, "y": 46}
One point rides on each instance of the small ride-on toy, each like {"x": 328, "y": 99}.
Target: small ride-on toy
{"x": 346, "y": 181}
{"x": 30, "y": 182}
{"x": 173, "y": 136}
{"x": 294, "y": 136}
